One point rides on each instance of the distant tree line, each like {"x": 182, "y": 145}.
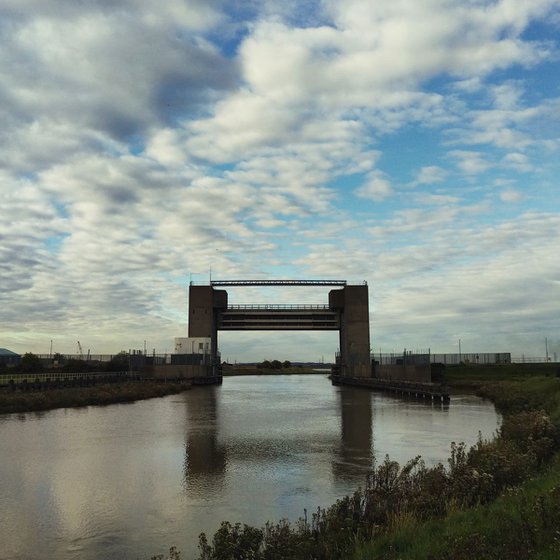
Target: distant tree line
{"x": 31, "y": 363}
{"x": 275, "y": 364}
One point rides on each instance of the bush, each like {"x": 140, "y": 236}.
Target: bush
{"x": 232, "y": 542}
{"x": 30, "y": 363}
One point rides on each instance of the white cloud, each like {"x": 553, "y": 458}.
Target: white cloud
{"x": 430, "y": 174}
{"x": 470, "y": 162}
{"x": 376, "y": 187}
{"x": 372, "y": 56}
{"x": 518, "y": 161}
{"x": 141, "y": 144}
{"x": 436, "y": 199}
{"x": 510, "y": 124}
{"x": 491, "y": 284}
{"x": 507, "y": 95}
{"x": 110, "y": 71}
{"x": 510, "y": 195}
{"x": 469, "y": 85}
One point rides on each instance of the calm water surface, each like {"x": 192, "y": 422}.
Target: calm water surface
{"x": 128, "y": 481}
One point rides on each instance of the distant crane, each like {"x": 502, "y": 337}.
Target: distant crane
{"x": 80, "y": 351}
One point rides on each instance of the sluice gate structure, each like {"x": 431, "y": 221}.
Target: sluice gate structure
{"x": 346, "y": 311}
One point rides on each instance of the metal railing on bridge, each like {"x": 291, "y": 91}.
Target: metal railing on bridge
{"x": 278, "y": 306}
{"x": 277, "y": 283}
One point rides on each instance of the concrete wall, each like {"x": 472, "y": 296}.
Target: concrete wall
{"x": 201, "y": 316}
{"x": 352, "y": 302}
{"x": 420, "y": 374}
{"x": 176, "y": 371}
{"x": 204, "y": 304}
{"x": 198, "y": 345}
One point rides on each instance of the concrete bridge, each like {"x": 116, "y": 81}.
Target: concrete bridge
{"x": 346, "y": 310}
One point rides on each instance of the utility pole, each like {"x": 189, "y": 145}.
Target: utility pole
{"x": 546, "y": 348}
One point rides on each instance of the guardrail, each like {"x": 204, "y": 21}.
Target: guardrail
{"x": 7, "y": 379}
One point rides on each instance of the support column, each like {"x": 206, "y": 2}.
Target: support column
{"x": 204, "y": 305}
{"x": 353, "y": 305}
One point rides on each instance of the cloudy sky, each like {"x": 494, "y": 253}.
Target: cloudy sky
{"x": 412, "y": 145}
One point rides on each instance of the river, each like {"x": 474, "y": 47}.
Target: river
{"x": 128, "y": 481}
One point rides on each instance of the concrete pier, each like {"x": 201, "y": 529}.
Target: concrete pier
{"x": 429, "y": 391}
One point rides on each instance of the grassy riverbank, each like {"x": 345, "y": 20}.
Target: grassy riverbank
{"x": 102, "y": 394}
{"x": 512, "y": 388}
{"x": 522, "y": 522}
{"x": 498, "y": 500}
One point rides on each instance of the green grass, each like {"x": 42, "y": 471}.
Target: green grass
{"x": 109, "y": 393}
{"x": 522, "y": 523}
{"x": 477, "y": 375}
{"x": 512, "y": 388}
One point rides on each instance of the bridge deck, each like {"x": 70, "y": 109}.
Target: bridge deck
{"x": 278, "y": 317}
{"x": 278, "y": 306}
{"x": 278, "y": 282}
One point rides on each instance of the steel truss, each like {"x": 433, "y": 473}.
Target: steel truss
{"x": 278, "y": 282}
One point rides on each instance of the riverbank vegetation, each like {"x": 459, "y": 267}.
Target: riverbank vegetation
{"x": 274, "y": 367}
{"x": 500, "y": 499}
{"x": 102, "y": 394}
{"x": 31, "y": 363}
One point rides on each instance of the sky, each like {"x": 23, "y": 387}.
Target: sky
{"x": 411, "y": 145}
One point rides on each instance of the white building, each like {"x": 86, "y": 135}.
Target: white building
{"x": 192, "y": 345}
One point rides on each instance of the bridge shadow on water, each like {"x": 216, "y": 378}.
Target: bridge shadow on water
{"x": 205, "y": 459}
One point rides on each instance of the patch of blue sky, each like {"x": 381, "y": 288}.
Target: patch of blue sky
{"x": 240, "y": 16}
{"x": 348, "y": 199}
{"x": 405, "y": 153}
{"x": 346, "y": 182}
{"x": 61, "y": 209}
{"x": 542, "y": 200}
{"x": 218, "y": 169}
{"x": 179, "y": 278}
{"x": 136, "y": 144}
{"x": 495, "y": 212}
{"x": 28, "y": 176}
{"x": 543, "y": 83}
{"x": 309, "y": 14}
{"x": 367, "y": 209}
{"x": 542, "y": 30}
{"x": 228, "y": 42}
{"x": 441, "y": 84}
{"x": 53, "y": 243}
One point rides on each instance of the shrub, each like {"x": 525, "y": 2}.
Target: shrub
{"x": 232, "y": 542}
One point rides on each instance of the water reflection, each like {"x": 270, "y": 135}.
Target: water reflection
{"x": 356, "y": 450}
{"x": 353, "y": 455}
{"x": 205, "y": 459}
{"x": 128, "y": 481}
